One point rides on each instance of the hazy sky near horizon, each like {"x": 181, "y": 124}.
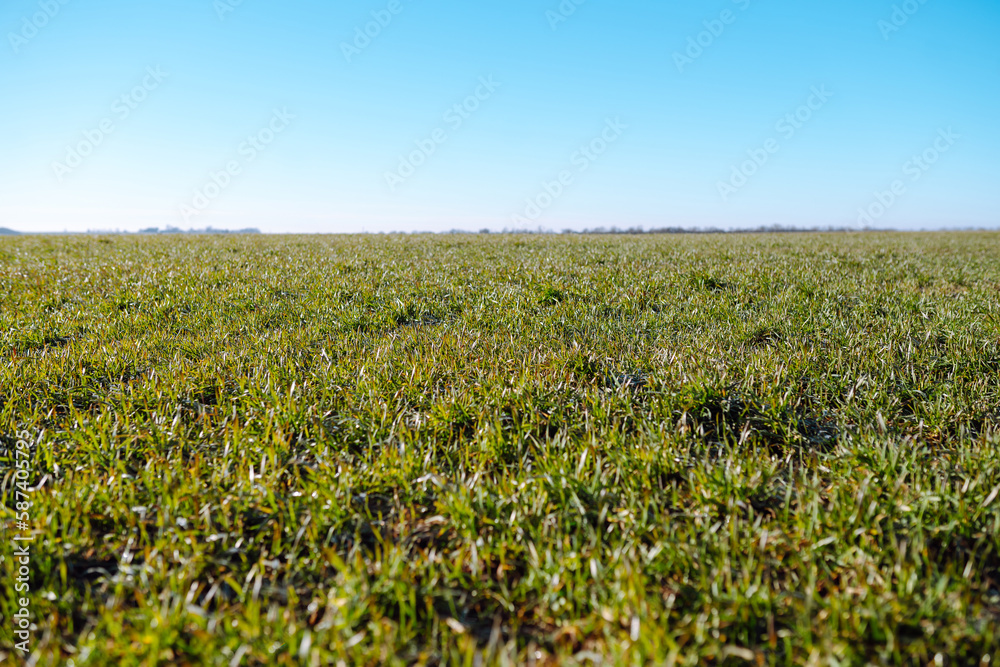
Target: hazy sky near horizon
{"x": 382, "y": 115}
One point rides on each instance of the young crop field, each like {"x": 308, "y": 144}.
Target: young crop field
{"x": 492, "y": 449}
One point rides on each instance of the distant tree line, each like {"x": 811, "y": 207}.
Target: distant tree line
{"x": 149, "y": 230}
{"x": 763, "y": 229}
{"x": 206, "y": 230}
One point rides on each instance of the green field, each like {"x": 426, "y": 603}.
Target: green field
{"x": 483, "y": 449}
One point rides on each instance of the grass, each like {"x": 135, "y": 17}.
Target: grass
{"x": 484, "y": 450}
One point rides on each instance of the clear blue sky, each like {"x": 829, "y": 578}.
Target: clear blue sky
{"x": 183, "y": 86}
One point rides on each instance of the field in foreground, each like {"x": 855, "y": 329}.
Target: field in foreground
{"x": 504, "y": 450}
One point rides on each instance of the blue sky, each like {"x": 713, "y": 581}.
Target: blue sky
{"x": 288, "y": 117}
